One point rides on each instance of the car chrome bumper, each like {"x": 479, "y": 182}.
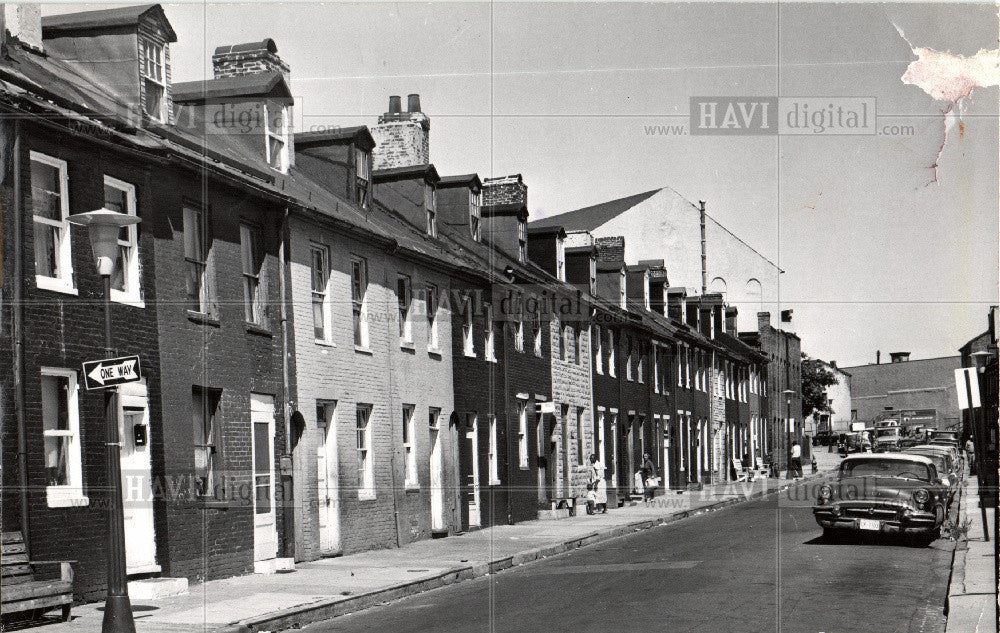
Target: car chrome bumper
{"x": 900, "y": 521}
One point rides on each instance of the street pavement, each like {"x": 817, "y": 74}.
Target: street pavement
{"x": 758, "y": 566}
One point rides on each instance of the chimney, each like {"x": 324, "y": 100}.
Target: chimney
{"x": 611, "y": 250}
{"x": 251, "y": 58}
{"x": 731, "y": 317}
{"x": 23, "y": 22}
{"x": 878, "y": 357}
{"x": 899, "y": 357}
{"x": 763, "y": 320}
{"x": 402, "y": 139}
{"x": 504, "y": 209}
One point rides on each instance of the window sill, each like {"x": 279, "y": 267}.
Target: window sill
{"x": 211, "y": 503}
{"x": 126, "y": 299}
{"x": 360, "y": 349}
{"x": 324, "y": 343}
{"x": 491, "y": 359}
{"x": 495, "y": 483}
{"x": 202, "y": 319}
{"x": 470, "y": 354}
{"x": 55, "y": 284}
{"x": 407, "y": 345}
{"x": 61, "y": 498}
{"x": 434, "y": 352}
{"x": 366, "y": 495}
{"x": 412, "y": 489}
{"x": 260, "y": 330}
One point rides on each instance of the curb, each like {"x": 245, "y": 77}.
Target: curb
{"x": 302, "y": 615}
{"x": 956, "y": 577}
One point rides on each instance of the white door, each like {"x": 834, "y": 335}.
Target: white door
{"x": 265, "y": 531}
{"x": 328, "y": 484}
{"x": 137, "y": 479}
{"x": 473, "y": 436}
{"x": 437, "y": 473}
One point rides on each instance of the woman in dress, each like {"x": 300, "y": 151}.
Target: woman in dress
{"x": 600, "y": 486}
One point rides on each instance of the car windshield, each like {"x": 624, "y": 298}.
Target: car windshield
{"x": 939, "y": 460}
{"x": 887, "y": 432}
{"x": 885, "y": 468}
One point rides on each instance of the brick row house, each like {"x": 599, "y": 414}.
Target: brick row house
{"x": 342, "y": 350}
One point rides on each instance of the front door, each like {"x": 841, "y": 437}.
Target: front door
{"x": 437, "y": 473}
{"x": 328, "y": 483}
{"x": 473, "y": 436}
{"x": 543, "y": 461}
{"x": 137, "y": 480}
{"x": 265, "y": 532}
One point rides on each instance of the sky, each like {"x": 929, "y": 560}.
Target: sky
{"x": 879, "y": 252}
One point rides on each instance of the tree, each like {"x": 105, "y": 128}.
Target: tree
{"x": 815, "y": 379}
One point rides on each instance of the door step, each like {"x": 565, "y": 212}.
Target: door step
{"x": 274, "y": 566}
{"x": 153, "y": 588}
{"x": 557, "y": 513}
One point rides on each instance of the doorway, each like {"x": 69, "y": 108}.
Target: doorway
{"x": 437, "y": 471}
{"x": 327, "y": 479}
{"x": 137, "y": 479}
{"x": 475, "y": 519}
{"x": 265, "y": 532}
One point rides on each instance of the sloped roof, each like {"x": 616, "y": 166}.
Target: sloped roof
{"x": 359, "y": 133}
{"x": 52, "y": 25}
{"x": 589, "y": 218}
{"x": 268, "y": 84}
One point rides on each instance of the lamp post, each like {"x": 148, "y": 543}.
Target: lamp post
{"x": 978, "y": 426}
{"x": 788, "y": 433}
{"x": 103, "y": 227}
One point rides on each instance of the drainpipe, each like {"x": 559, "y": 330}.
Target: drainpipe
{"x": 287, "y": 491}
{"x": 17, "y": 317}
{"x": 704, "y": 254}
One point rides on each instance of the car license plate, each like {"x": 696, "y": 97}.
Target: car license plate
{"x": 869, "y": 524}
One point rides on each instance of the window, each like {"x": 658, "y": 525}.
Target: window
{"x": 494, "y": 458}
{"x": 578, "y": 345}
{"x": 538, "y": 333}
{"x": 581, "y": 444}
{"x": 276, "y": 147}
{"x": 598, "y": 349}
{"x": 362, "y": 177}
{"x": 204, "y": 403}
{"x": 366, "y": 469}
{"x": 593, "y": 275}
{"x": 561, "y": 332}
{"x": 687, "y": 367}
{"x": 569, "y": 337}
{"x": 359, "y": 290}
{"x": 404, "y": 296}
{"x": 611, "y": 353}
{"x": 475, "y": 214}
{"x": 50, "y": 206}
{"x": 430, "y": 207}
{"x": 152, "y": 64}
{"x": 468, "y": 342}
{"x": 254, "y": 292}
{"x": 622, "y": 298}
{"x": 200, "y": 282}
{"x": 432, "y": 323}
{"x": 628, "y": 358}
{"x": 519, "y": 327}
{"x": 320, "y": 263}
{"x": 640, "y": 369}
{"x": 490, "y": 342}
{"x": 125, "y": 287}
{"x": 409, "y": 449}
{"x": 656, "y": 368}
{"x": 560, "y": 259}
{"x": 522, "y": 240}
{"x": 61, "y": 436}
{"x": 522, "y": 433}
{"x": 680, "y": 369}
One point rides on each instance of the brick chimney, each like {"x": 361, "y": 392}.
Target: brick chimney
{"x": 505, "y": 210}
{"x": 611, "y": 250}
{"x": 402, "y": 139}
{"x": 251, "y": 58}
{"x": 731, "y": 314}
{"x": 763, "y": 320}
{"x": 22, "y": 21}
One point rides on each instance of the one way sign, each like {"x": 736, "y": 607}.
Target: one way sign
{"x": 101, "y": 374}
{"x": 967, "y": 386}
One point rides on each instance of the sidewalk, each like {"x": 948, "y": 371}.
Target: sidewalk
{"x": 972, "y": 592}
{"x": 329, "y": 587}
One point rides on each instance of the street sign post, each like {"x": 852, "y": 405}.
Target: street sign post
{"x": 109, "y": 372}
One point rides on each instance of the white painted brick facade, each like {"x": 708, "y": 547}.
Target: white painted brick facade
{"x": 572, "y": 388}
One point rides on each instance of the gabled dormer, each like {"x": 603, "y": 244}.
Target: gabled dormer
{"x": 124, "y": 50}
{"x": 677, "y": 304}
{"x": 581, "y": 261}
{"x": 547, "y": 249}
{"x": 460, "y": 205}
{"x": 340, "y": 159}
{"x": 412, "y": 192}
{"x": 505, "y": 215}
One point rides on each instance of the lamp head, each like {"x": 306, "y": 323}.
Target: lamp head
{"x": 103, "y": 226}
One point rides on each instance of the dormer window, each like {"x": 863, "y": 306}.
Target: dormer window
{"x": 152, "y": 65}
{"x": 522, "y": 240}
{"x": 363, "y": 177}
{"x": 593, "y": 275}
{"x": 430, "y": 208}
{"x": 622, "y": 298}
{"x": 276, "y": 136}
{"x": 475, "y": 214}
{"x": 560, "y": 259}
{"x": 645, "y": 290}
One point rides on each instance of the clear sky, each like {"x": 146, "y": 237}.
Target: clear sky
{"x": 877, "y": 256}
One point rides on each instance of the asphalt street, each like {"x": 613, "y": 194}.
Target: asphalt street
{"x": 760, "y": 566}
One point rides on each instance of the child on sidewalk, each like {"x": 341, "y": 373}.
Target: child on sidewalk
{"x": 591, "y": 499}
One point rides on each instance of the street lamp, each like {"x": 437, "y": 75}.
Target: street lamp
{"x": 788, "y": 433}
{"x": 103, "y": 228}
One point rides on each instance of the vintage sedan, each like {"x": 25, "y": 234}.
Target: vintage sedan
{"x": 884, "y": 493}
{"x": 945, "y": 463}
{"x": 886, "y": 439}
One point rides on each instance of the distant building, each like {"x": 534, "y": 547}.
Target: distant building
{"x": 914, "y": 392}
{"x": 838, "y": 396}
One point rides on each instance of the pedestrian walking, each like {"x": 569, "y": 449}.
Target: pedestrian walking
{"x": 650, "y": 480}
{"x": 600, "y": 487}
{"x": 796, "y": 460}
{"x": 970, "y": 455}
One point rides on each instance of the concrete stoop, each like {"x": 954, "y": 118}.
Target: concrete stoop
{"x": 557, "y": 513}
{"x": 274, "y": 565}
{"x": 156, "y": 588}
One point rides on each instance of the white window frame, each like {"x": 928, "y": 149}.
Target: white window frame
{"x": 362, "y": 177}
{"x": 363, "y": 445}
{"x": 324, "y": 294}
{"x": 494, "y": 456}
{"x": 432, "y": 303}
{"x": 411, "y": 480}
{"x": 359, "y": 304}
{"x": 196, "y": 220}
{"x": 560, "y": 259}
{"x": 611, "y": 353}
{"x": 404, "y": 300}
{"x": 146, "y": 46}
{"x": 132, "y": 294}
{"x": 538, "y": 333}
{"x": 656, "y": 368}
{"x": 468, "y": 330}
{"x": 680, "y": 365}
{"x": 522, "y": 433}
{"x": 522, "y": 240}
{"x": 475, "y": 214}
{"x": 64, "y": 279}
{"x": 490, "y": 337}
{"x": 581, "y": 439}
{"x": 71, "y": 494}
{"x": 430, "y": 208}
{"x": 598, "y": 343}
{"x": 519, "y": 328}
{"x": 281, "y": 135}
{"x": 254, "y": 290}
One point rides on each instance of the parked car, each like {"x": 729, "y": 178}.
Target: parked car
{"x": 943, "y": 460}
{"x": 825, "y": 438}
{"x": 934, "y": 436}
{"x": 892, "y": 493}
{"x": 887, "y": 438}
